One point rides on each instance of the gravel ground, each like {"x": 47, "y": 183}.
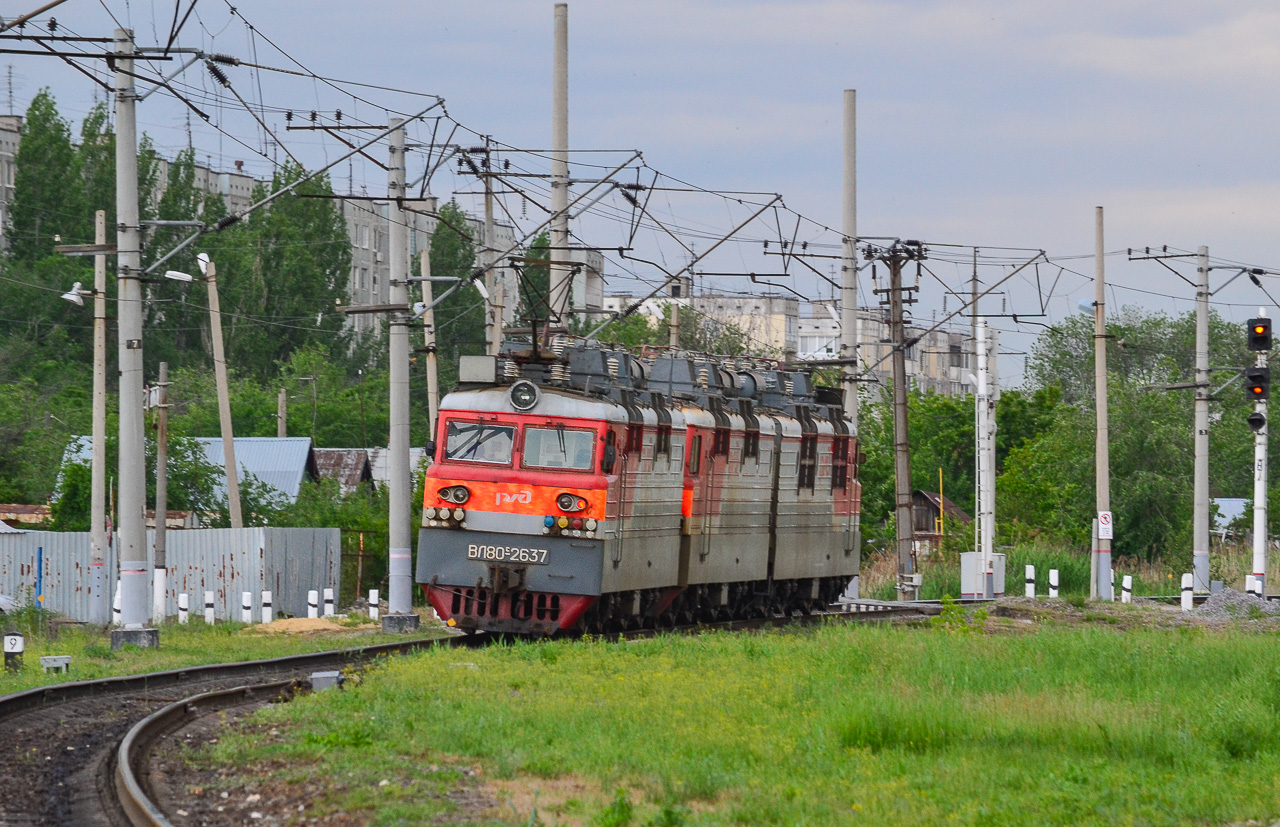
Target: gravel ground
{"x": 1230, "y": 604}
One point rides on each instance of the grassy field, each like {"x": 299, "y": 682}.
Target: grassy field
{"x": 191, "y": 644}
{"x": 942, "y": 574}
{"x": 839, "y": 725}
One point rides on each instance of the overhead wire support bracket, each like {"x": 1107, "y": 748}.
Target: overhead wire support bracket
{"x": 239, "y": 215}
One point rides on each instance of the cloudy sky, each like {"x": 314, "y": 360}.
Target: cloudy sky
{"x": 981, "y": 123}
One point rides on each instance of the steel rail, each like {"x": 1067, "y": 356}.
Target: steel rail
{"x": 18, "y": 702}
{"x": 136, "y": 746}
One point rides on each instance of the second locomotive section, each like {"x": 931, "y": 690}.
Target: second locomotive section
{"x": 603, "y": 492}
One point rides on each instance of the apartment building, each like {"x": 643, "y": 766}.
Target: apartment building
{"x": 941, "y": 362}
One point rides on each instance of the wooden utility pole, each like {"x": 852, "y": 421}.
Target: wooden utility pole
{"x": 282, "y": 414}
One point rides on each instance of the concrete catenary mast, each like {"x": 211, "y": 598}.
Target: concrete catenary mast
{"x": 135, "y": 579}
{"x": 561, "y": 289}
{"x": 1102, "y": 450}
{"x": 400, "y": 616}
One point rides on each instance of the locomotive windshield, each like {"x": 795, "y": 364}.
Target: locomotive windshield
{"x": 478, "y": 442}
{"x": 558, "y": 448}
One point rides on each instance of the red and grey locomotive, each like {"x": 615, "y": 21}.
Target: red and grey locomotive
{"x": 593, "y": 489}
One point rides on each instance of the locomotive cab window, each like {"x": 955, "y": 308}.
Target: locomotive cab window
{"x": 479, "y": 442}
{"x": 559, "y": 448}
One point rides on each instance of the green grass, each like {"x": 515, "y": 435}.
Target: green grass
{"x": 840, "y": 725}
{"x": 192, "y": 644}
{"x": 942, "y": 575}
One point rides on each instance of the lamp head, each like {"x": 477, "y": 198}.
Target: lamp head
{"x": 178, "y": 275}
{"x": 75, "y": 295}
{"x": 203, "y": 260}
{"x": 484, "y": 293}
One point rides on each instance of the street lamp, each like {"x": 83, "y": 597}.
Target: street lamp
{"x": 210, "y": 278}
{"x": 76, "y": 295}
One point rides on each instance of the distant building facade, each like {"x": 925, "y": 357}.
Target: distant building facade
{"x": 941, "y": 362}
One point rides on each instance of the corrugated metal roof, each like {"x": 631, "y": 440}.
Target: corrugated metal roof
{"x": 5, "y": 528}
{"x": 280, "y": 462}
{"x": 349, "y": 466}
{"x": 379, "y": 458}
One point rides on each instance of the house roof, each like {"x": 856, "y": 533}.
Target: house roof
{"x": 349, "y": 466}
{"x": 953, "y": 511}
{"x": 379, "y": 463}
{"x": 278, "y": 462}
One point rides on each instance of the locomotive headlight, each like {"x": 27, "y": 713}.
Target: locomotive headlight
{"x": 591, "y": 525}
{"x": 563, "y": 522}
{"x": 458, "y": 514}
{"x": 430, "y": 513}
{"x": 570, "y": 502}
{"x": 524, "y": 395}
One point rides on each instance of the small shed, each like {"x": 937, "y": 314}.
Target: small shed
{"x": 927, "y": 510}
{"x": 349, "y": 466}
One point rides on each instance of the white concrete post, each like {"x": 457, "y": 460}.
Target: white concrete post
{"x": 1188, "y": 593}
{"x": 313, "y": 604}
{"x": 400, "y": 482}
{"x": 135, "y": 577}
{"x": 328, "y": 602}
{"x": 184, "y": 609}
{"x": 1031, "y": 581}
{"x": 115, "y": 605}
{"x": 246, "y": 607}
{"x": 1053, "y": 582}
{"x": 560, "y": 298}
{"x": 1126, "y": 585}
{"x": 99, "y": 613}
{"x": 373, "y": 604}
{"x": 1200, "y": 480}
{"x": 208, "y": 608}
{"x": 267, "y": 614}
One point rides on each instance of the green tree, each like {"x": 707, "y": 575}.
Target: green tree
{"x": 281, "y": 272}
{"x": 460, "y": 317}
{"x": 47, "y": 197}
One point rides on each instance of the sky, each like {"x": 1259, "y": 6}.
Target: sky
{"x": 980, "y": 123}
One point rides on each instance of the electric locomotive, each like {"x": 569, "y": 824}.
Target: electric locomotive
{"x": 588, "y": 488}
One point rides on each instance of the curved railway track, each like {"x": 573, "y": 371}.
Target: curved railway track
{"x": 81, "y": 752}
{"x": 62, "y": 741}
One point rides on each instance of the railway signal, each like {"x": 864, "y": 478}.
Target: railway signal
{"x": 1257, "y": 387}
{"x": 1259, "y": 335}
{"x": 1257, "y": 383}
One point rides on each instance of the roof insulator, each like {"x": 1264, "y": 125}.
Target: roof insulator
{"x": 227, "y": 59}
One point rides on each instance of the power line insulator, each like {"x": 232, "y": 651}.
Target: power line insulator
{"x": 218, "y": 74}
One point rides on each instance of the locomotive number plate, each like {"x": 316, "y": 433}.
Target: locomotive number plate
{"x": 507, "y": 554}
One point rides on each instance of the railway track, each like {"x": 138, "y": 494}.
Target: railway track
{"x": 82, "y": 753}
{"x": 63, "y": 741}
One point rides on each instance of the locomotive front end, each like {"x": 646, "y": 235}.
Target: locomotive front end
{"x": 514, "y": 510}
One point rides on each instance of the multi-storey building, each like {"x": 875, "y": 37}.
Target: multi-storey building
{"x": 10, "y": 134}
{"x": 768, "y": 323}
{"x": 942, "y": 361}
